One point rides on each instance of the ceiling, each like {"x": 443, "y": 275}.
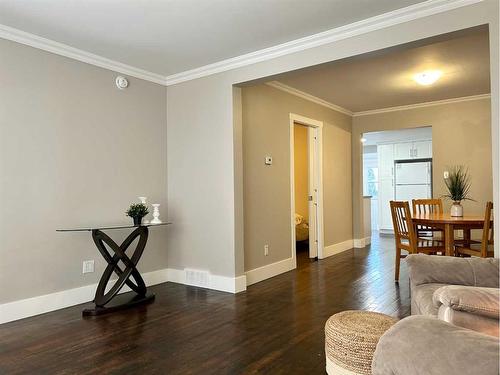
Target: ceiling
{"x": 403, "y": 135}
{"x": 385, "y": 79}
{"x": 172, "y": 36}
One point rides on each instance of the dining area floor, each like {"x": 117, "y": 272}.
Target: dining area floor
{"x": 276, "y": 326}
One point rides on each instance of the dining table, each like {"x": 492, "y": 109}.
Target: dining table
{"x": 449, "y": 224}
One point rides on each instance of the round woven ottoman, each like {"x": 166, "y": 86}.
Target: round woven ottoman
{"x": 350, "y": 341}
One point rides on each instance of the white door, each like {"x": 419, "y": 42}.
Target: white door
{"x": 412, "y": 173}
{"x": 312, "y": 135}
{"x": 409, "y": 192}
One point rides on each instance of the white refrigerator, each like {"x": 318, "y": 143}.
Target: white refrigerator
{"x": 412, "y": 180}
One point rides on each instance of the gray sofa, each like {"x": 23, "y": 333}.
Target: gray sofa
{"x": 454, "y": 324}
{"x": 461, "y": 291}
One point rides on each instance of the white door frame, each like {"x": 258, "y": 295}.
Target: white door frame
{"x": 318, "y": 127}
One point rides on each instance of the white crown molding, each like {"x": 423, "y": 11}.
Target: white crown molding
{"x": 61, "y": 49}
{"x": 422, "y": 105}
{"x": 398, "y": 16}
{"x": 309, "y": 97}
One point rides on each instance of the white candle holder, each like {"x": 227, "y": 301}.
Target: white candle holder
{"x": 156, "y": 214}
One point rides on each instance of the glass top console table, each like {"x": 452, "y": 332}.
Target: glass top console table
{"x": 106, "y": 302}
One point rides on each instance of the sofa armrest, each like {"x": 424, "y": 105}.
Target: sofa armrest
{"x": 425, "y": 269}
{"x": 421, "y": 345}
{"x": 473, "y": 300}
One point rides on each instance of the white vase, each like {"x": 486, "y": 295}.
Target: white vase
{"x": 457, "y": 210}
{"x": 156, "y": 214}
{"x": 144, "y": 201}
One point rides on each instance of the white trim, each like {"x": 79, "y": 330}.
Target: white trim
{"x": 359, "y": 243}
{"x": 270, "y": 270}
{"x": 422, "y": 105}
{"x": 61, "y": 49}
{"x": 59, "y": 300}
{"x": 333, "y": 369}
{"x": 294, "y": 118}
{"x": 395, "y": 17}
{"x": 324, "y": 103}
{"x": 309, "y": 97}
{"x": 337, "y": 248}
{"x": 215, "y": 282}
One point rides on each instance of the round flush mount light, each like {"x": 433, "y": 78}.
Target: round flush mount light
{"x": 121, "y": 82}
{"x": 428, "y": 77}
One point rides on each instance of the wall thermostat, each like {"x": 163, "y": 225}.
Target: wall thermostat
{"x": 121, "y": 82}
{"x": 269, "y": 160}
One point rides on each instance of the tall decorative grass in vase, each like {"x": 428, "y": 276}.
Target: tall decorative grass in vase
{"x": 458, "y": 184}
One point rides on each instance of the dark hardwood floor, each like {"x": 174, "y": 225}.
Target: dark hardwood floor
{"x": 275, "y": 327}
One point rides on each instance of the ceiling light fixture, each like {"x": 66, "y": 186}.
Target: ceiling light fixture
{"x": 428, "y": 77}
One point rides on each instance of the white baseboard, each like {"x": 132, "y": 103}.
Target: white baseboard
{"x": 270, "y": 270}
{"x": 216, "y": 282}
{"x": 59, "y": 300}
{"x": 359, "y": 243}
{"x": 337, "y": 248}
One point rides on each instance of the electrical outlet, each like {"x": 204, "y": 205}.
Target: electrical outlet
{"x": 88, "y": 266}
{"x": 266, "y": 250}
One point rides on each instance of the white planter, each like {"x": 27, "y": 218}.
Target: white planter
{"x": 456, "y": 210}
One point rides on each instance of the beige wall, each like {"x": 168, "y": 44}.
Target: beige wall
{"x": 266, "y": 131}
{"x": 74, "y": 151}
{"x": 461, "y": 135}
{"x": 203, "y": 136}
{"x": 301, "y": 171}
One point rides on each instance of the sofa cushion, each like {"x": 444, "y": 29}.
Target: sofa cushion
{"x": 477, "y": 323}
{"x": 421, "y": 299}
{"x": 424, "y": 269}
{"x": 474, "y": 300}
{"x": 420, "y": 345}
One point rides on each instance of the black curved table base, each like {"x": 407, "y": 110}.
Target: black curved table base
{"x": 106, "y": 302}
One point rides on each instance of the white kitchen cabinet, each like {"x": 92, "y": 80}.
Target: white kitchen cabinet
{"x": 413, "y": 150}
{"x": 385, "y": 195}
{"x": 385, "y": 161}
{"x": 403, "y": 151}
{"x": 422, "y": 149}
{"x": 385, "y": 185}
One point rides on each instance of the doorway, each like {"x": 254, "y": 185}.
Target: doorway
{"x": 306, "y": 186}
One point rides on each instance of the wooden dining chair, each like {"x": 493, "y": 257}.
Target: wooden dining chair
{"x": 428, "y": 206}
{"x": 405, "y": 236}
{"x": 485, "y": 247}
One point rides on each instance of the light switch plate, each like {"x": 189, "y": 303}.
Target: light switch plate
{"x": 269, "y": 160}
{"x": 446, "y": 174}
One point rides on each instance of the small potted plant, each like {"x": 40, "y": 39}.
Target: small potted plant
{"x": 137, "y": 211}
{"x": 458, "y": 184}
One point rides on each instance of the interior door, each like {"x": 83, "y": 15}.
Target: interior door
{"x": 313, "y": 191}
